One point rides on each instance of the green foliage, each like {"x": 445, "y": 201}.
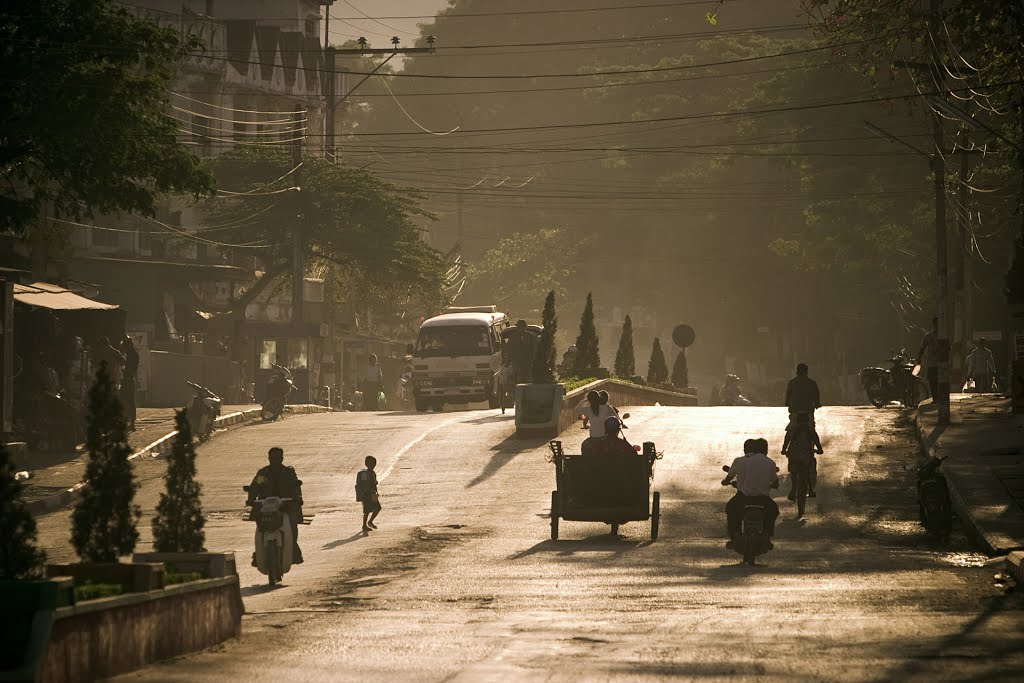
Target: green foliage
{"x": 172, "y": 577}
{"x": 657, "y": 370}
{"x": 19, "y": 557}
{"x": 84, "y": 112}
{"x": 680, "y": 372}
{"x": 625, "y": 359}
{"x": 587, "y": 354}
{"x": 352, "y": 220}
{"x": 523, "y": 267}
{"x": 573, "y": 383}
{"x": 545, "y": 357}
{"x": 178, "y": 524}
{"x": 103, "y": 522}
{"x": 94, "y": 591}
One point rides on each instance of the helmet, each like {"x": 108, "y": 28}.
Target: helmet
{"x": 612, "y": 424}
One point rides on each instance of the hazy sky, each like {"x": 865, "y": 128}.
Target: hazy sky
{"x": 348, "y": 23}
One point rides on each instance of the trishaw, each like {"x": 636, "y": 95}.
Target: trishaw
{"x": 613, "y": 489}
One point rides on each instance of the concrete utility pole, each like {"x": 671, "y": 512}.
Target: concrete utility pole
{"x": 298, "y": 234}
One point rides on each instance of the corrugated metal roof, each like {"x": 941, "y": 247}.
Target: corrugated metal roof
{"x": 46, "y": 295}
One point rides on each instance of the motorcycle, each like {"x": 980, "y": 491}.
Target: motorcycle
{"x": 934, "y": 503}
{"x": 753, "y": 539}
{"x": 899, "y": 383}
{"x": 279, "y": 387}
{"x": 730, "y": 393}
{"x": 202, "y": 411}
{"x": 273, "y": 553}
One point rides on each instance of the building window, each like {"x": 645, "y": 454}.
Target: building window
{"x": 268, "y": 354}
{"x": 311, "y": 29}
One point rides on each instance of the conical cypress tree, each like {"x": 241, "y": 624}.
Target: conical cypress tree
{"x": 178, "y": 524}
{"x": 680, "y": 372}
{"x": 587, "y": 355}
{"x": 625, "y": 361}
{"x": 103, "y": 523}
{"x": 19, "y": 557}
{"x": 544, "y": 359}
{"x": 657, "y": 371}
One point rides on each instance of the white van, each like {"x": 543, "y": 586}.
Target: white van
{"x": 458, "y": 357}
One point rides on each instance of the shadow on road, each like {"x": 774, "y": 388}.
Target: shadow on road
{"x": 259, "y": 589}
{"x": 506, "y": 451}
{"x": 345, "y": 541}
{"x": 601, "y": 543}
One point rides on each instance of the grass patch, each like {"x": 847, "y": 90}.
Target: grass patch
{"x": 574, "y": 383}
{"x": 172, "y": 577}
{"x": 94, "y": 591}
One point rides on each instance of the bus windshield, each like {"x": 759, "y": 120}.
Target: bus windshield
{"x": 456, "y": 340}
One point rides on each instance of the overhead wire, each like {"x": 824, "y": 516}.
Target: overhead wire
{"x": 410, "y": 117}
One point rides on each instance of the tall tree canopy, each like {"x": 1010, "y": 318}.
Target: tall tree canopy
{"x": 83, "y": 112}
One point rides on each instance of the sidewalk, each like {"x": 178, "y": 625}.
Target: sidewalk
{"x": 984, "y": 447}
{"x": 56, "y": 477}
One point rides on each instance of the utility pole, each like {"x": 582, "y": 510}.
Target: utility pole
{"x": 964, "y": 269}
{"x": 298, "y": 236}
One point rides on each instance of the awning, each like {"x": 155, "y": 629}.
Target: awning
{"x": 45, "y": 295}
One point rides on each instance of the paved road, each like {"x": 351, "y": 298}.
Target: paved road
{"x": 461, "y": 584}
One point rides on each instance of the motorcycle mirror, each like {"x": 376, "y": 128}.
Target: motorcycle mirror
{"x": 636, "y": 448}
{"x": 725, "y": 468}
{"x": 625, "y": 416}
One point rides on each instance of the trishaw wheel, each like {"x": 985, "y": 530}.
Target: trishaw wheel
{"x": 554, "y": 515}
{"x": 655, "y": 515}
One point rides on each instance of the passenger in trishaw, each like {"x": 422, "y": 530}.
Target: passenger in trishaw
{"x": 609, "y": 444}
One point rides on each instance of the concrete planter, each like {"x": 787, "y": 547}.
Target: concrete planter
{"x": 23, "y": 634}
{"x": 210, "y": 565}
{"x": 135, "y": 578}
{"x": 110, "y": 636}
{"x": 537, "y": 409}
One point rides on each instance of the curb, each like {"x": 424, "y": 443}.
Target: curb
{"x": 1014, "y": 568}
{"x": 158, "y": 448}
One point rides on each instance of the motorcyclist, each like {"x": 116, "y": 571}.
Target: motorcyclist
{"x": 802, "y": 395}
{"x": 278, "y": 479}
{"x": 609, "y": 444}
{"x": 799, "y": 446}
{"x": 755, "y": 475}
{"x": 731, "y": 394}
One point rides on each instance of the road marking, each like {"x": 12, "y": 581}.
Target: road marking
{"x": 405, "y": 449}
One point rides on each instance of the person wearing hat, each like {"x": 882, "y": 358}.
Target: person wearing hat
{"x": 981, "y": 367}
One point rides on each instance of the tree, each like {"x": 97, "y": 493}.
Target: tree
{"x": 523, "y": 267}
{"x": 545, "y": 357}
{"x": 178, "y": 524}
{"x": 587, "y": 355}
{"x": 19, "y": 557}
{"x": 84, "y": 112}
{"x": 352, "y": 220}
{"x": 657, "y": 371}
{"x": 680, "y": 373}
{"x": 625, "y": 361}
{"x": 103, "y": 522}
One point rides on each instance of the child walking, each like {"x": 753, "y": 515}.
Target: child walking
{"x": 366, "y": 493}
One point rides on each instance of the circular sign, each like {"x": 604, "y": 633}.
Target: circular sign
{"x": 683, "y": 335}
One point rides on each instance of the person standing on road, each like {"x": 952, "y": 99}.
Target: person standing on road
{"x": 128, "y": 382}
{"x": 373, "y": 384}
{"x": 981, "y": 367}
{"x": 928, "y": 357}
{"x": 367, "y": 494}
{"x": 802, "y": 395}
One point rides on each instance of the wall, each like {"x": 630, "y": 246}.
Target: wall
{"x": 107, "y": 637}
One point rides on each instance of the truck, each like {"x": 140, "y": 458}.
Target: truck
{"x": 457, "y": 357}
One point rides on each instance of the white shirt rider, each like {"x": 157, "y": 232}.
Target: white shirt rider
{"x": 604, "y": 411}
{"x": 754, "y": 473}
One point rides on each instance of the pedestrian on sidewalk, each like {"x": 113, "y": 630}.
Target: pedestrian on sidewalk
{"x": 366, "y": 493}
{"x": 128, "y": 381}
{"x": 981, "y": 367}
{"x": 928, "y": 357}
{"x": 373, "y": 384}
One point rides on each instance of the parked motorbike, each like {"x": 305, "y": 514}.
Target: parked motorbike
{"x": 202, "y": 411}
{"x": 273, "y": 550}
{"x": 899, "y": 383}
{"x": 934, "y": 503}
{"x": 279, "y": 387}
{"x": 753, "y": 539}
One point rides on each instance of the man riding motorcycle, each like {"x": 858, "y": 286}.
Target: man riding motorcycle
{"x": 731, "y": 394}
{"x": 610, "y": 443}
{"x": 277, "y": 479}
{"x": 755, "y": 474}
